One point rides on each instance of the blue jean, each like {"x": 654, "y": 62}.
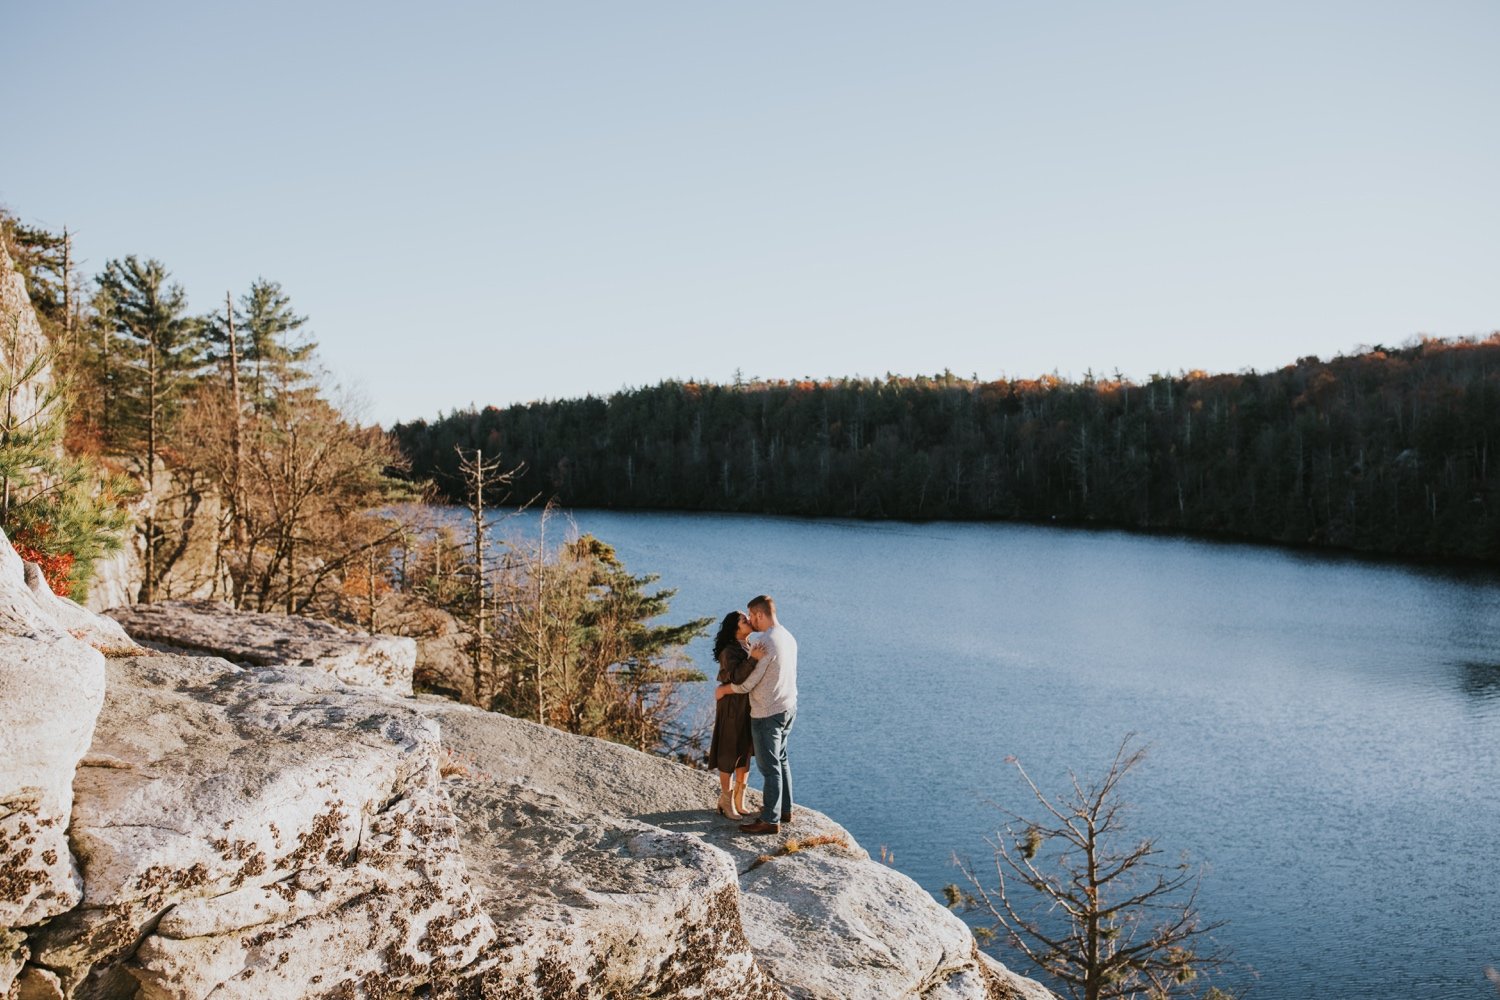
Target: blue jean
{"x": 770, "y": 736}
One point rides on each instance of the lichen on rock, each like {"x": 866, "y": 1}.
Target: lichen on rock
{"x": 51, "y": 688}
{"x": 270, "y": 831}
{"x": 260, "y": 815}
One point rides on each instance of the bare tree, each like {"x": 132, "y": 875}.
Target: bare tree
{"x": 534, "y": 631}
{"x": 484, "y": 480}
{"x": 315, "y": 498}
{"x": 1089, "y": 905}
{"x": 236, "y": 429}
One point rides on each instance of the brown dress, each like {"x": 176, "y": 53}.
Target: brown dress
{"x": 730, "y": 748}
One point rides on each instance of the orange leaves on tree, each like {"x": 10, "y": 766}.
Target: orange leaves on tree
{"x": 358, "y": 583}
{"x": 30, "y": 544}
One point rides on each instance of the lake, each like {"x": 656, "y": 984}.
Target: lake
{"x": 1324, "y": 731}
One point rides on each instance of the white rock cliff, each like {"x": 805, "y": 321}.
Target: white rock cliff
{"x": 179, "y": 826}
{"x": 267, "y": 640}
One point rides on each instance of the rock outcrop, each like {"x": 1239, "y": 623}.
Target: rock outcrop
{"x": 187, "y": 511}
{"x": 21, "y": 342}
{"x": 264, "y": 640}
{"x": 443, "y": 663}
{"x": 51, "y": 689}
{"x": 825, "y": 921}
{"x": 116, "y": 578}
{"x": 272, "y": 831}
{"x": 252, "y": 833}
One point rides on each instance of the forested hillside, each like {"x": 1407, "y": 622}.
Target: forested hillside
{"x": 1384, "y": 451}
{"x": 150, "y": 452}
{"x": 208, "y": 440}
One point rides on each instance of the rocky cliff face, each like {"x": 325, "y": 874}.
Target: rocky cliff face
{"x": 21, "y": 340}
{"x": 176, "y": 826}
{"x": 190, "y": 512}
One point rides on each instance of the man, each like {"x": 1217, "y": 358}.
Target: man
{"x": 772, "y": 687}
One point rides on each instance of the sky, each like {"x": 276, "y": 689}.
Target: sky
{"x": 489, "y": 203}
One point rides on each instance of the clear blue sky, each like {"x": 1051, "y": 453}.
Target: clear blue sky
{"x": 494, "y": 202}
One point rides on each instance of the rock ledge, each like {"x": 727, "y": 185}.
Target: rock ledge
{"x": 266, "y": 640}
{"x": 178, "y": 826}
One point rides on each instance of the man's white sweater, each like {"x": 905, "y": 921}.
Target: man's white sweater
{"x": 772, "y": 685}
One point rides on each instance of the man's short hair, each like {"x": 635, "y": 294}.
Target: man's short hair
{"x": 763, "y": 603}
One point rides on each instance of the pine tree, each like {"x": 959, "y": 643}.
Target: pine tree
{"x": 93, "y": 371}
{"x": 59, "y": 512}
{"x": 623, "y": 667}
{"x": 277, "y": 365}
{"x": 161, "y": 351}
{"x": 44, "y": 259}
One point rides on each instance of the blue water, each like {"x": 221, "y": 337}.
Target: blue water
{"x": 1324, "y": 732}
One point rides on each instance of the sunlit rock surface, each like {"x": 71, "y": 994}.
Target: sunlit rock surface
{"x": 191, "y": 568}
{"x": 252, "y": 833}
{"x": 265, "y": 640}
{"x": 824, "y": 922}
{"x": 51, "y": 688}
{"x": 248, "y": 831}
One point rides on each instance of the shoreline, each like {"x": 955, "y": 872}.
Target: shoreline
{"x": 1343, "y": 553}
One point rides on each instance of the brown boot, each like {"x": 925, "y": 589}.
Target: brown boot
{"x": 760, "y": 827}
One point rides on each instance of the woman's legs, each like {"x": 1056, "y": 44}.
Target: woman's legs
{"x": 726, "y": 797}
{"x": 741, "y": 781}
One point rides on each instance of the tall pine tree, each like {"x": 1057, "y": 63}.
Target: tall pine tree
{"x": 161, "y": 350}
{"x": 276, "y": 359}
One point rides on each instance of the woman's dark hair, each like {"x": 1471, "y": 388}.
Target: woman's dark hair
{"x": 727, "y": 629}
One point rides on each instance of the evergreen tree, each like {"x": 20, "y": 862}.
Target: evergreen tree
{"x": 571, "y": 639}
{"x": 45, "y": 261}
{"x": 276, "y": 363}
{"x": 618, "y": 644}
{"x": 93, "y": 374}
{"x": 59, "y": 512}
{"x": 161, "y": 352}
{"x": 1386, "y": 450}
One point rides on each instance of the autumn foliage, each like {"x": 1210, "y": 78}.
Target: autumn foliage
{"x": 30, "y": 544}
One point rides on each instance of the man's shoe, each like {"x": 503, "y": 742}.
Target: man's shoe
{"x": 786, "y": 817}
{"x": 760, "y": 827}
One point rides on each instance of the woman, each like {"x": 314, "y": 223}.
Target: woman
{"x": 730, "y": 750}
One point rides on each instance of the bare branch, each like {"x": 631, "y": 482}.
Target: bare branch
{"x": 1109, "y": 921}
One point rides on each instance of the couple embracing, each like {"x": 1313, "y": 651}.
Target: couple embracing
{"x": 756, "y": 705}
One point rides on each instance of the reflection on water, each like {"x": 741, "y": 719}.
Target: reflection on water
{"x": 1479, "y": 680}
{"x": 1325, "y": 732}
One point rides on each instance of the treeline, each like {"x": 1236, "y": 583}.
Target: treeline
{"x": 1384, "y": 451}
{"x": 225, "y": 458}
{"x": 210, "y": 443}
